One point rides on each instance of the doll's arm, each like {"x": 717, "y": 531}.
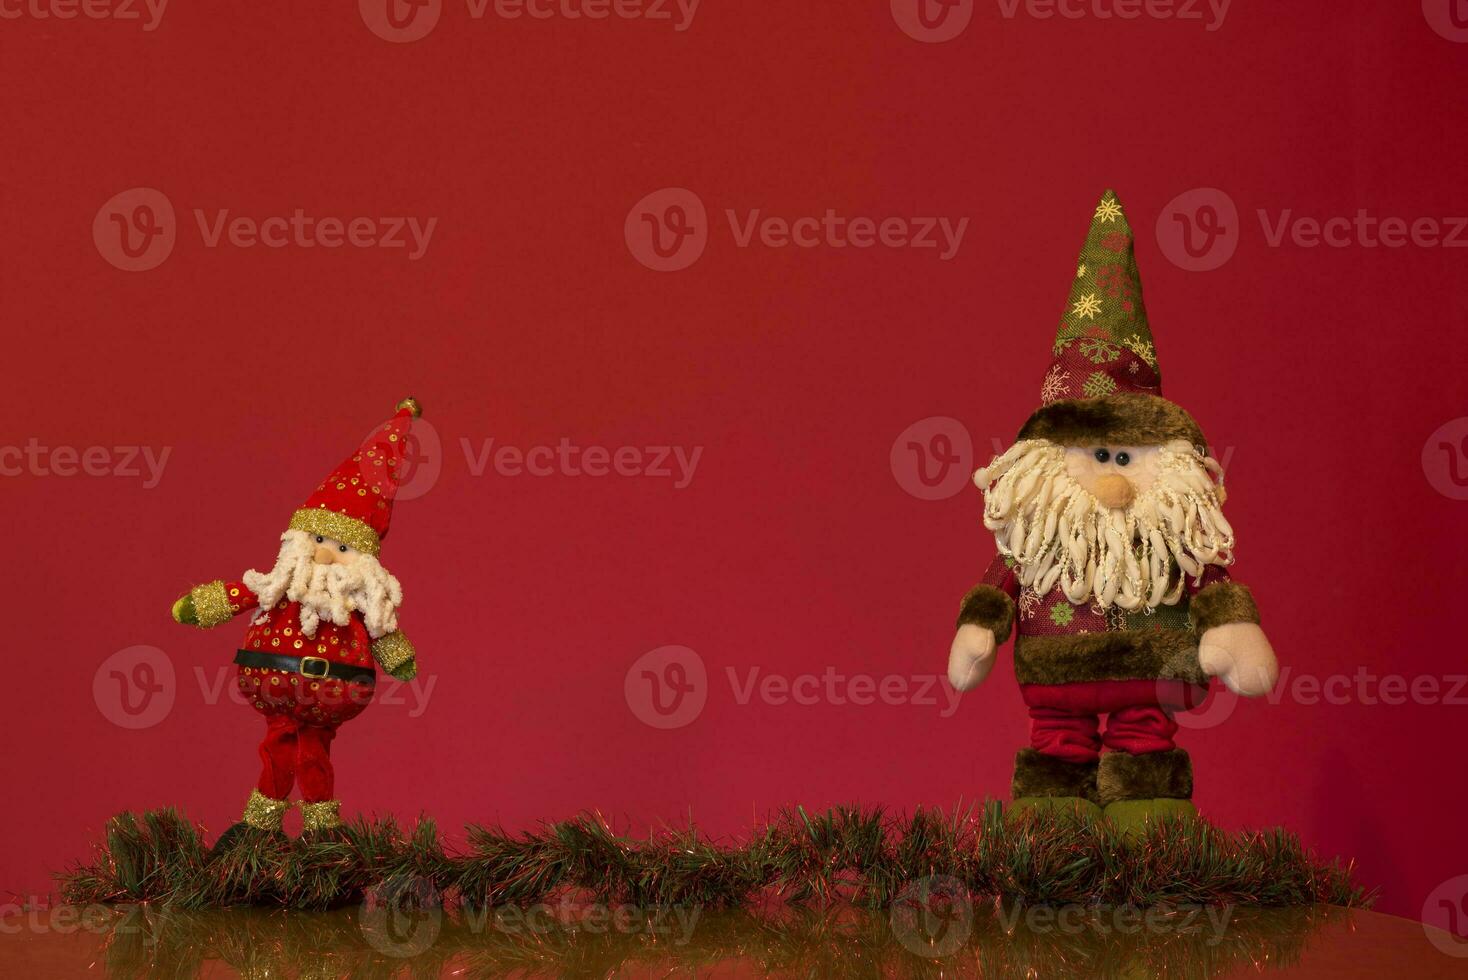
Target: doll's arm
{"x": 1231, "y": 644}
{"x": 395, "y": 653}
{"x": 213, "y": 603}
{"x": 985, "y": 620}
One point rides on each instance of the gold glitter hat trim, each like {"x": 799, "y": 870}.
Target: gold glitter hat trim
{"x": 321, "y": 816}
{"x": 330, "y": 524}
{"x": 263, "y": 812}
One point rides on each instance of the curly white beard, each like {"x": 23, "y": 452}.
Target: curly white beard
{"x": 1056, "y": 531}
{"x": 328, "y": 592}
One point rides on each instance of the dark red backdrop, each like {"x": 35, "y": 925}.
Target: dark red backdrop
{"x": 796, "y": 547}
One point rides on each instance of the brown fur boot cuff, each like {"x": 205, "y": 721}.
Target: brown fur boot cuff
{"x": 1037, "y": 774}
{"x": 1164, "y": 775}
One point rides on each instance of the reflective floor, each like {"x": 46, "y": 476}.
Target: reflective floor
{"x": 408, "y": 939}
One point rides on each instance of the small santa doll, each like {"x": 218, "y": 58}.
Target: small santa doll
{"x": 325, "y": 619}
{"x": 1112, "y": 565}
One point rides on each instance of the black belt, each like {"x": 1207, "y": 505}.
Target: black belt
{"x": 316, "y": 668}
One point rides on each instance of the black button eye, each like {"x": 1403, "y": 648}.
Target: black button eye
{"x": 319, "y": 539}
{"x": 342, "y": 548}
{"x": 1102, "y": 455}
{"x": 1122, "y": 459}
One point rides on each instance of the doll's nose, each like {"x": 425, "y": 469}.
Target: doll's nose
{"x": 1115, "y": 491}
{"x": 324, "y": 556}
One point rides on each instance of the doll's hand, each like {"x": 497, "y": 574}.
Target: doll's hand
{"x": 183, "y": 610}
{"x": 405, "y": 671}
{"x": 971, "y": 657}
{"x": 1239, "y": 654}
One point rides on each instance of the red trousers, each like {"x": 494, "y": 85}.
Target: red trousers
{"x": 293, "y": 750}
{"x": 1065, "y": 720}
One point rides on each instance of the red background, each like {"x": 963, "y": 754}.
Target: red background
{"x": 794, "y": 549}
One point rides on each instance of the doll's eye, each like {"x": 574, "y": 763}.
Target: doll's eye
{"x": 342, "y": 548}
{"x": 1122, "y": 459}
{"x": 319, "y": 539}
{"x": 1102, "y": 455}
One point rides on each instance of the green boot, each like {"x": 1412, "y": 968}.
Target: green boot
{"x": 1140, "y": 789}
{"x": 1045, "y": 784}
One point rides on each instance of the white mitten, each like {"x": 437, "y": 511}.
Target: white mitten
{"x": 971, "y": 657}
{"x": 1238, "y": 654}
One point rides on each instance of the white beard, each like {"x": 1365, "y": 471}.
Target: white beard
{"x": 330, "y": 592}
{"x": 1136, "y": 558}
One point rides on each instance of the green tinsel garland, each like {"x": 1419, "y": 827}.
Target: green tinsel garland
{"x": 858, "y": 855}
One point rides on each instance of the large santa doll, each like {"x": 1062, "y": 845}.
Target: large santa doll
{"x": 1112, "y": 565}
{"x": 325, "y": 618}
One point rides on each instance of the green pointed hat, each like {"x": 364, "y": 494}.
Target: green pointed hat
{"x": 1103, "y": 385}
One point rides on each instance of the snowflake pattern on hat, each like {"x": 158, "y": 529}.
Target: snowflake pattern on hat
{"x": 1104, "y": 342}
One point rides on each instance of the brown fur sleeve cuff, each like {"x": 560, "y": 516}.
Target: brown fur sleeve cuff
{"x": 988, "y": 607}
{"x": 1221, "y": 603}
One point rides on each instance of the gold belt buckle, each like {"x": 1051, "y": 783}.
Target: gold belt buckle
{"x": 325, "y": 667}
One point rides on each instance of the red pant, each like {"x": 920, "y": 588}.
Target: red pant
{"x": 292, "y": 749}
{"x": 1065, "y": 719}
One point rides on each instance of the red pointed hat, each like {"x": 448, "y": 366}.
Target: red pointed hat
{"x": 354, "y": 503}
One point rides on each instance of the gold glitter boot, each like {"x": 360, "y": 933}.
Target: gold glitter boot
{"x": 321, "y": 820}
